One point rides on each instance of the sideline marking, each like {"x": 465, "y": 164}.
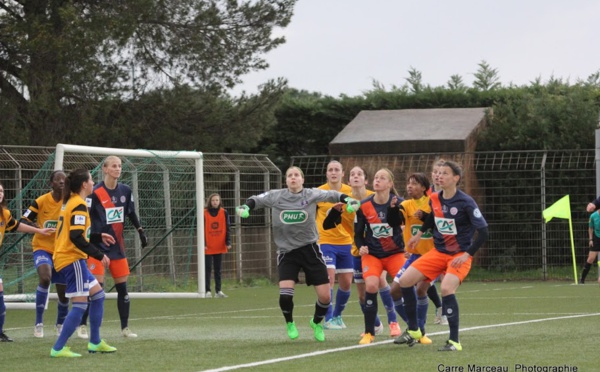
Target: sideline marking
{"x": 322, "y": 352}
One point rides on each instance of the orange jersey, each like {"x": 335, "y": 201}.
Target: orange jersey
{"x": 338, "y": 235}
{"x": 412, "y": 224}
{"x": 74, "y": 216}
{"x": 7, "y": 223}
{"x": 45, "y": 211}
{"x": 215, "y": 232}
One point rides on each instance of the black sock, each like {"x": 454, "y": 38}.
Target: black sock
{"x": 586, "y": 270}
{"x": 123, "y": 303}
{"x": 320, "y": 311}
{"x": 433, "y": 295}
{"x": 370, "y": 312}
{"x": 286, "y": 303}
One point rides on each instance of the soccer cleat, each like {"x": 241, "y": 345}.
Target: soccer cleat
{"x": 331, "y": 324}
{"x": 367, "y": 338}
{"x": 378, "y": 329}
{"x": 208, "y": 295}
{"x": 409, "y": 337}
{"x": 318, "y": 328}
{"x": 101, "y": 347}
{"x": 444, "y": 320}
{"x": 58, "y": 329}
{"x": 425, "y": 340}
{"x": 65, "y": 352}
{"x": 395, "y": 330}
{"x": 38, "y": 330}
{"x": 292, "y": 331}
{"x": 438, "y": 316}
{"x": 126, "y": 332}
{"x": 220, "y": 294}
{"x": 82, "y": 332}
{"x": 5, "y": 338}
{"x": 338, "y": 321}
{"x": 451, "y": 346}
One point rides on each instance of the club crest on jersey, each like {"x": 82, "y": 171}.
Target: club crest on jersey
{"x": 477, "y": 213}
{"x": 293, "y": 217}
{"x": 453, "y": 211}
{"x": 123, "y": 199}
{"x": 115, "y": 215}
{"x": 446, "y": 226}
{"x": 304, "y": 203}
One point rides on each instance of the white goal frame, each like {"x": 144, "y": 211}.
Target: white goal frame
{"x": 61, "y": 149}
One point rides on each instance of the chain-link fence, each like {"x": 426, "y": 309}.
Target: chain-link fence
{"x": 512, "y": 189}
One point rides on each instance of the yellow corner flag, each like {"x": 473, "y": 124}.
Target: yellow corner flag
{"x": 560, "y": 209}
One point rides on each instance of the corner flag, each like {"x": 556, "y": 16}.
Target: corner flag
{"x": 562, "y": 209}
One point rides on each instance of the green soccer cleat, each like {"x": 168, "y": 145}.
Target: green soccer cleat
{"x": 451, "y": 346}
{"x": 65, "y": 352}
{"x": 292, "y": 330}
{"x": 318, "y": 328}
{"x": 101, "y": 347}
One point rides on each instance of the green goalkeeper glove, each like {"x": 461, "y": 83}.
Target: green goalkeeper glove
{"x": 243, "y": 211}
{"x": 352, "y": 205}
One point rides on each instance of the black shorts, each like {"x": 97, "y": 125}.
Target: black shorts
{"x": 308, "y": 258}
{"x": 596, "y": 241}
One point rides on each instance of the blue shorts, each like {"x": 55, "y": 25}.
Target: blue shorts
{"x": 413, "y": 257}
{"x": 358, "y": 278}
{"x": 338, "y": 257}
{"x": 79, "y": 279}
{"x": 41, "y": 257}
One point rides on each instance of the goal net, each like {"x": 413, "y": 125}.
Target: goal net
{"x": 169, "y": 198}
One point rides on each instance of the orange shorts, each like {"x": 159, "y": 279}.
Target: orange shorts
{"x": 118, "y": 268}
{"x": 434, "y": 263}
{"x": 373, "y": 266}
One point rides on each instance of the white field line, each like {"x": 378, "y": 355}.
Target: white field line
{"x": 322, "y": 352}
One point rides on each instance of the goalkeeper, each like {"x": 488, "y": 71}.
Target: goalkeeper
{"x": 295, "y": 233}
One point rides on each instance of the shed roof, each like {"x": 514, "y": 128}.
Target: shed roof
{"x": 408, "y": 131}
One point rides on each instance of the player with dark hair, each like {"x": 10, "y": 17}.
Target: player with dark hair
{"x": 594, "y": 244}
{"x": 73, "y": 245}
{"x": 111, "y": 202}
{"x": 454, "y": 219}
{"x": 8, "y": 223}
{"x": 45, "y": 211}
{"x": 217, "y": 241}
{"x": 293, "y": 212}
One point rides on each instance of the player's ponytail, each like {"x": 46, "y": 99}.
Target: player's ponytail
{"x": 74, "y": 182}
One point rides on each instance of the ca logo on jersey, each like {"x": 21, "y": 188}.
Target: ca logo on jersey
{"x": 381, "y": 230}
{"x": 446, "y": 226}
{"x": 115, "y": 215}
{"x": 293, "y": 217}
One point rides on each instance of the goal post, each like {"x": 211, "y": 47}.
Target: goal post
{"x": 171, "y": 189}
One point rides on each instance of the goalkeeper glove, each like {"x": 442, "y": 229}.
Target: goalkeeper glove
{"x": 243, "y": 211}
{"x": 143, "y": 237}
{"x": 352, "y": 205}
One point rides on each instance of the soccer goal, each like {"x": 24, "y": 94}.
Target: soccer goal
{"x": 168, "y": 188}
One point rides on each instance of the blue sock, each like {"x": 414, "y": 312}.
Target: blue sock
{"x": 410, "y": 306}
{"x": 2, "y": 310}
{"x": 370, "y": 312}
{"x": 96, "y": 313}
{"x": 422, "y": 305}
{"x": 388, "y": 303}
{"x": 71, "y": 322}
{"x": 450, "y": 309}
{"x": 329, "y": 314}
{"x": 63, "y": 310}
{"x": 41, "y": 296}
{"x": 341, "y": 299}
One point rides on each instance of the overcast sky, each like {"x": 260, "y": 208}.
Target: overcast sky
{"x": 340, "y": 46}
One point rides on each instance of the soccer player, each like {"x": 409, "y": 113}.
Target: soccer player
{"x": 455, "y": 217}
{"x": 336, "y": 245}
{"x": 71, "y": 248}
{"x": 111, "y": 202}
{"x": 293, "y": 212}
{"x": 380, "y": 245}
{"x": 217, "y": 241}
{"x": 44, "y": 211}
{"x": 358, "y": 182}
{"x": 406, "y": 213}
{"x": 432, "y": 292}
{"x": 8, "y": 223}
{"x": 594, "y": 244}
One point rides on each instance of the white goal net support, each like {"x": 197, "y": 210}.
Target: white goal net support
{"x": 168, "y": 188}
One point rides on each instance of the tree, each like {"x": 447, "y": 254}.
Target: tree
{"x": 486, "y": 78}
{"x": 456, "y": 83}
{"x": 58, "y": 57}
{"x": 415, "y": 80}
